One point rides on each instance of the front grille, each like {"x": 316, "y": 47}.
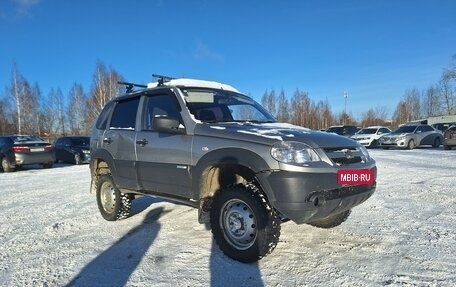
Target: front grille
{"x": 344, "y": 156}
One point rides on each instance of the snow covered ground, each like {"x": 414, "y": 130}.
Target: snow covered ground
{"x": 51, "y": 234}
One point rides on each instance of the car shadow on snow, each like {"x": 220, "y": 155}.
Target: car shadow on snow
{"x": 115, "y": 265}
{"x": 228, "y": 272}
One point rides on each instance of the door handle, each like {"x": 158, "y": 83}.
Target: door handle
{"x": 142, "y": 142}
{"x": 107, "y": 140}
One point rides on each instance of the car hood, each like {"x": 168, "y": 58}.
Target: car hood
{"x": 358, "y": 136}
{"x": 396, "y": 135}
{"x": 271, "y": 133}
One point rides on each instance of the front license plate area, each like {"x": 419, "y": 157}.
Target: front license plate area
{"x": 355, "y": 177}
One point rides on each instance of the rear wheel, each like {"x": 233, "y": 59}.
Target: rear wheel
{"x": 436, "y": 143}
{"x": 244, "y": 225}
{"x": 113, "y": 204}
{"x": 331, "y": 221}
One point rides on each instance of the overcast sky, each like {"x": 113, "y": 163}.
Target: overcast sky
{"x": 375, "y": 50}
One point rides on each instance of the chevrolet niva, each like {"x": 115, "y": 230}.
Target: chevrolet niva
{"x": 207, "y": 145}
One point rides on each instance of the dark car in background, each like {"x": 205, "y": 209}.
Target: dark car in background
{"x": 346, "y": 131}
{"x": 449, "y": 137}
{"x": 19, "y": 150}
{"x": 73, "y": 149}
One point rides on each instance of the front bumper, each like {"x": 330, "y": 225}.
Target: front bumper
{"x": 306, "y": 197}
{"x": 398, "y": 143}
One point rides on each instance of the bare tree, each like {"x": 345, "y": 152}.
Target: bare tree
{"x": 104, "y": 88}
{"x": 431, "y": 102}
{"x": 300, "y": 109}
{"x": 77, "y": 110}
{"x": 269, "y": 102}
{"x": 283, "y": 114}
{"x": 447, "y": 87}
{"x": 16, "y": 90}
{"x": 374, "y": 117}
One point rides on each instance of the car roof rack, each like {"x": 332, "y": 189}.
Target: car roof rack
{"x": 162, "y": 79}
{"x": 129, "y": 86}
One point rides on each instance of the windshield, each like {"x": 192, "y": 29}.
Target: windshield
{"x": 82, "y": 141}
{"x": 336, "y": 130}
{"x": 405, "y": 129}
{"x": 21, "y": 139}
{"x": 367, "y": 131}
{"x": 223, "y": 106}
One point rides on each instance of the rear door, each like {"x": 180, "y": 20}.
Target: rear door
{"x": 119, "y": 141}
{"x": 163, "y": 158}
{"x": 427, "y": 135}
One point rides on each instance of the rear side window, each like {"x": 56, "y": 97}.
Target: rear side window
{"x": 104, "y": 116}
{"x": 427, "y": 129}
{"x": 124, "y": 115}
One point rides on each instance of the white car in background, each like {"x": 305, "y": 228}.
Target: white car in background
{"x": 369, "y": 136}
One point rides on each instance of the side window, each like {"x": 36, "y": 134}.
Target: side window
{"x": 103, "y": 118}
{"x": 160, "y": 106}
{"x": 124, "y": 115}
{"x": 58, "y": 143}
{"x": 383, "y": 130}
{"x": 427, "y": 129}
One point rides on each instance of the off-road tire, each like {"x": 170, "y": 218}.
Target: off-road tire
{"x": 6, "y": 166}
{"x": 411, "y": 144}
{"x": 332, "y": 220}
{"x": 244, "y": 225}
{"x": 113, "y": 204}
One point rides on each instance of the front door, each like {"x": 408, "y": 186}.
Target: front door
{"x": 163, "y": 159}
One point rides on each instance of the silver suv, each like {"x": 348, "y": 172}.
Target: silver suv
{"x": 207, "y": 145}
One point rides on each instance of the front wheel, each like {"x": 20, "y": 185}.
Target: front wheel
{"x": 77, "y": 159}
{"x": 6, "y": 166}
{"x": 332, "y": 220}
{"x": 411, "y": 144}
{"x": 244, "y": 225}
{"x": 113, "y": 204}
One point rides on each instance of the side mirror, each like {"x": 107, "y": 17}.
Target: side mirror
{"x": 167, "y": 124}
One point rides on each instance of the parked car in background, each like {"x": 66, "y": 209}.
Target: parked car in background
{"x": 346, "y": 131}
{"x": 411, "y": 136}
{"x": 449, "y": 137}
{"x": 369, "y": 136}
{"x": 442, "y": 126}
{"x": 72, "y": 149}
{"x": 19, "y": 150}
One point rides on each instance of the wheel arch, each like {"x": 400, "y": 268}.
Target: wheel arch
{"x": 221, "y": 168}
{"x": 101, "y": 163}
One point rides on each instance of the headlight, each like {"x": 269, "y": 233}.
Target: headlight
{"x": 401, "y": 138}
{"x": 294, "y": 153}
{"x": 85, "y": 151}
{"x": 365, "y": 153}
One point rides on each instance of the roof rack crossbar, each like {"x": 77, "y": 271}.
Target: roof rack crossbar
{"x": 162, "y": 79}
{"x": 129, "y": 86}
